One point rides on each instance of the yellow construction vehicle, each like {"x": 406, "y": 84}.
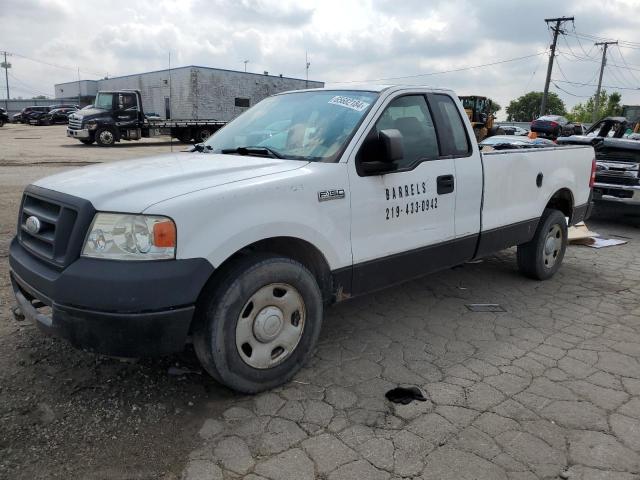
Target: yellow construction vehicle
{"x": 478, "y": 110}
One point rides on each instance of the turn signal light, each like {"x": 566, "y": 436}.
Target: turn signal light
{"x": 164, "y": 234}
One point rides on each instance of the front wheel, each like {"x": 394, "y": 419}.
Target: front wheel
{"x": 105, "y": 137}
{"x": 257, "y": 324}
{"x": 542, "y": 256}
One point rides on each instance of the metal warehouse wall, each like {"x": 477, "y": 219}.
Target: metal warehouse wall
{"x": 154, "y": 87}
{"x": 203, "y": 93}
{"x": 213, "y": 92}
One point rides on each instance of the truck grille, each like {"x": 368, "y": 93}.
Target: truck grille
{"x": 616, "y": 172}
{"x": 62, "y": 222}
{"x": 75, "y": 123}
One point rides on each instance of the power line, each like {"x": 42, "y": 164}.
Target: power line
{"x": 443, "y": 71}
{"x": 582, "y": 84}
{"x": 63, "y": 67}
{"x": 567, "y": 92}
{"x": 626, "y": 65}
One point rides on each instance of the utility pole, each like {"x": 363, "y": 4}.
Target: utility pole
{"x": 307, "y": 65}
{"x": 6, "y": 65}
{"x": 245, "y": 65}
{"x": 556, "y": 31}
{"x": 596, "y": 106}
{"x": 79, "y": 88}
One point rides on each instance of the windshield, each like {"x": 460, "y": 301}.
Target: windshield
{"x": 312, "y": 125}
{"x": 104, "y": 101}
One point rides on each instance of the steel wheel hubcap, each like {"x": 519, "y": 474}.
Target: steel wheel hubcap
{"x": 270, "y": 325}
{"x": 552, "y": 246}
{"x": 106, "y": 136}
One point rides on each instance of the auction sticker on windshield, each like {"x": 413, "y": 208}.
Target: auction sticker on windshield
{"x": 352, "y": 103}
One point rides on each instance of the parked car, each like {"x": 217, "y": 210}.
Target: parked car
{"x": 241, "y": 244}
{"x": 4, "y": 118}
{"x": 514, "y": 130}
{"x": 553, "y": 126}
{"x": 500, "y": 142}
{"x": 55, "y": 116}
{"x": 617, "y": 176}
{"x": 25, "y": 115}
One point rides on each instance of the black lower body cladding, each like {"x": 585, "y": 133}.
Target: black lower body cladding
{"x": 119, "y": 308}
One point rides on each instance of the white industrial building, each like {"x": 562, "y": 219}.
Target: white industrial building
{"x": 188, "y": 92}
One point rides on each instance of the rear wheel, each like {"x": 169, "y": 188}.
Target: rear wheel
{"x": 1, "y": 122}
{"x": 105, "y": 137}
{"x": 542, "y": 256}
{"x": 258, "y": 323}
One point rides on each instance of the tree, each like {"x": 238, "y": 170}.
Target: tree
{"x": 39, "y": 97}
{"x": 609, "y": 107}
{"x": 527, "y": 107}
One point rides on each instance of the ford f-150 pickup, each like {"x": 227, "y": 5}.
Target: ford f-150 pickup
{"x": 308, "y": 198}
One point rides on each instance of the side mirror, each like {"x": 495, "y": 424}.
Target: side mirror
{"x": 380, "y": 152}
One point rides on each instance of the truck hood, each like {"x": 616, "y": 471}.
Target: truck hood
{"x": 89, "y": 113}
{"x": 134, "y": 185}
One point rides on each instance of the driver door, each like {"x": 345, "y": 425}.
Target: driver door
{"x": 402, "y": 221}
{"x": 127, "y": 112}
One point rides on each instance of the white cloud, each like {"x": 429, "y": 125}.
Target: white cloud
{"x": 345, "y": 39}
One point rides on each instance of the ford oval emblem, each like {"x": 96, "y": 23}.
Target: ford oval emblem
{"x": 32, "y": 225}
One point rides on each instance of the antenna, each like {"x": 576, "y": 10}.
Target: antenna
{"x": 307, "y": 65}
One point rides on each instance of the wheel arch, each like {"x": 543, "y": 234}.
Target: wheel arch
{"x": 562, "y": 200}
{"x": 294, "y": 248}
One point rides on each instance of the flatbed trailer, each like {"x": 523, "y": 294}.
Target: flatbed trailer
{"x": 118, "y": 115}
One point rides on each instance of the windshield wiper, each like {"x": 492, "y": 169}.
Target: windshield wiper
{"x": 270, "y": 152}
{"x": 202, "y": 148}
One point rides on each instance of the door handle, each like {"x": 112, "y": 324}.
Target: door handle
{"x": 445, "y": 184}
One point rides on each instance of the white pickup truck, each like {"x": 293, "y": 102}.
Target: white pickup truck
{"x": 308, "y": 198}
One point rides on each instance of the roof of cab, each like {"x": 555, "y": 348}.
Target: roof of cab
{"x": 372, "y": 87}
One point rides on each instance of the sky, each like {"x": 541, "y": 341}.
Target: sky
{"x": 347, "y": 42}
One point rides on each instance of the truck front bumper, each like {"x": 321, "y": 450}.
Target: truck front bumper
{"x": 84, "y": 133}
{"x": 117, "y": 308}
{"x": 627, "y": 194}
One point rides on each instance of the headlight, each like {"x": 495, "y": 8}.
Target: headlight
{"x": 120, "y": 236}
{"x": 91, "y": 124}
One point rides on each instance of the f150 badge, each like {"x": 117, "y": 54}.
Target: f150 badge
{"x": 330, "y": 194}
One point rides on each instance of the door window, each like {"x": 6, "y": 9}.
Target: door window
{"x": 128, "y": 101}
{"x": 410, "y": 115}
{"x": 452, "y": 130}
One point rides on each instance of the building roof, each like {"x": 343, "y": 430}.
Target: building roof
{"x": 195, "y": 66}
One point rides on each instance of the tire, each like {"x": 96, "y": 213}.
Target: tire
{"x": 202, "y": 134}
{"x": 541, "y": 258}
{"x": 1, "y": 122}
{"x": 240, "y": 331}
{"x": 105, "y": 137}
{"x": 87, "y": 141}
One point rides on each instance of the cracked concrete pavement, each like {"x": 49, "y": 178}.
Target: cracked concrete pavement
{"x": 548, "y": 389}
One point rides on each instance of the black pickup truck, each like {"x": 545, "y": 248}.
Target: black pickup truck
{"x": 118, "y": 115}
{"x": 617, "y": 160}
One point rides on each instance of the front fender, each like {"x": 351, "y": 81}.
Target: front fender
{"x": 215, "y": 223}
